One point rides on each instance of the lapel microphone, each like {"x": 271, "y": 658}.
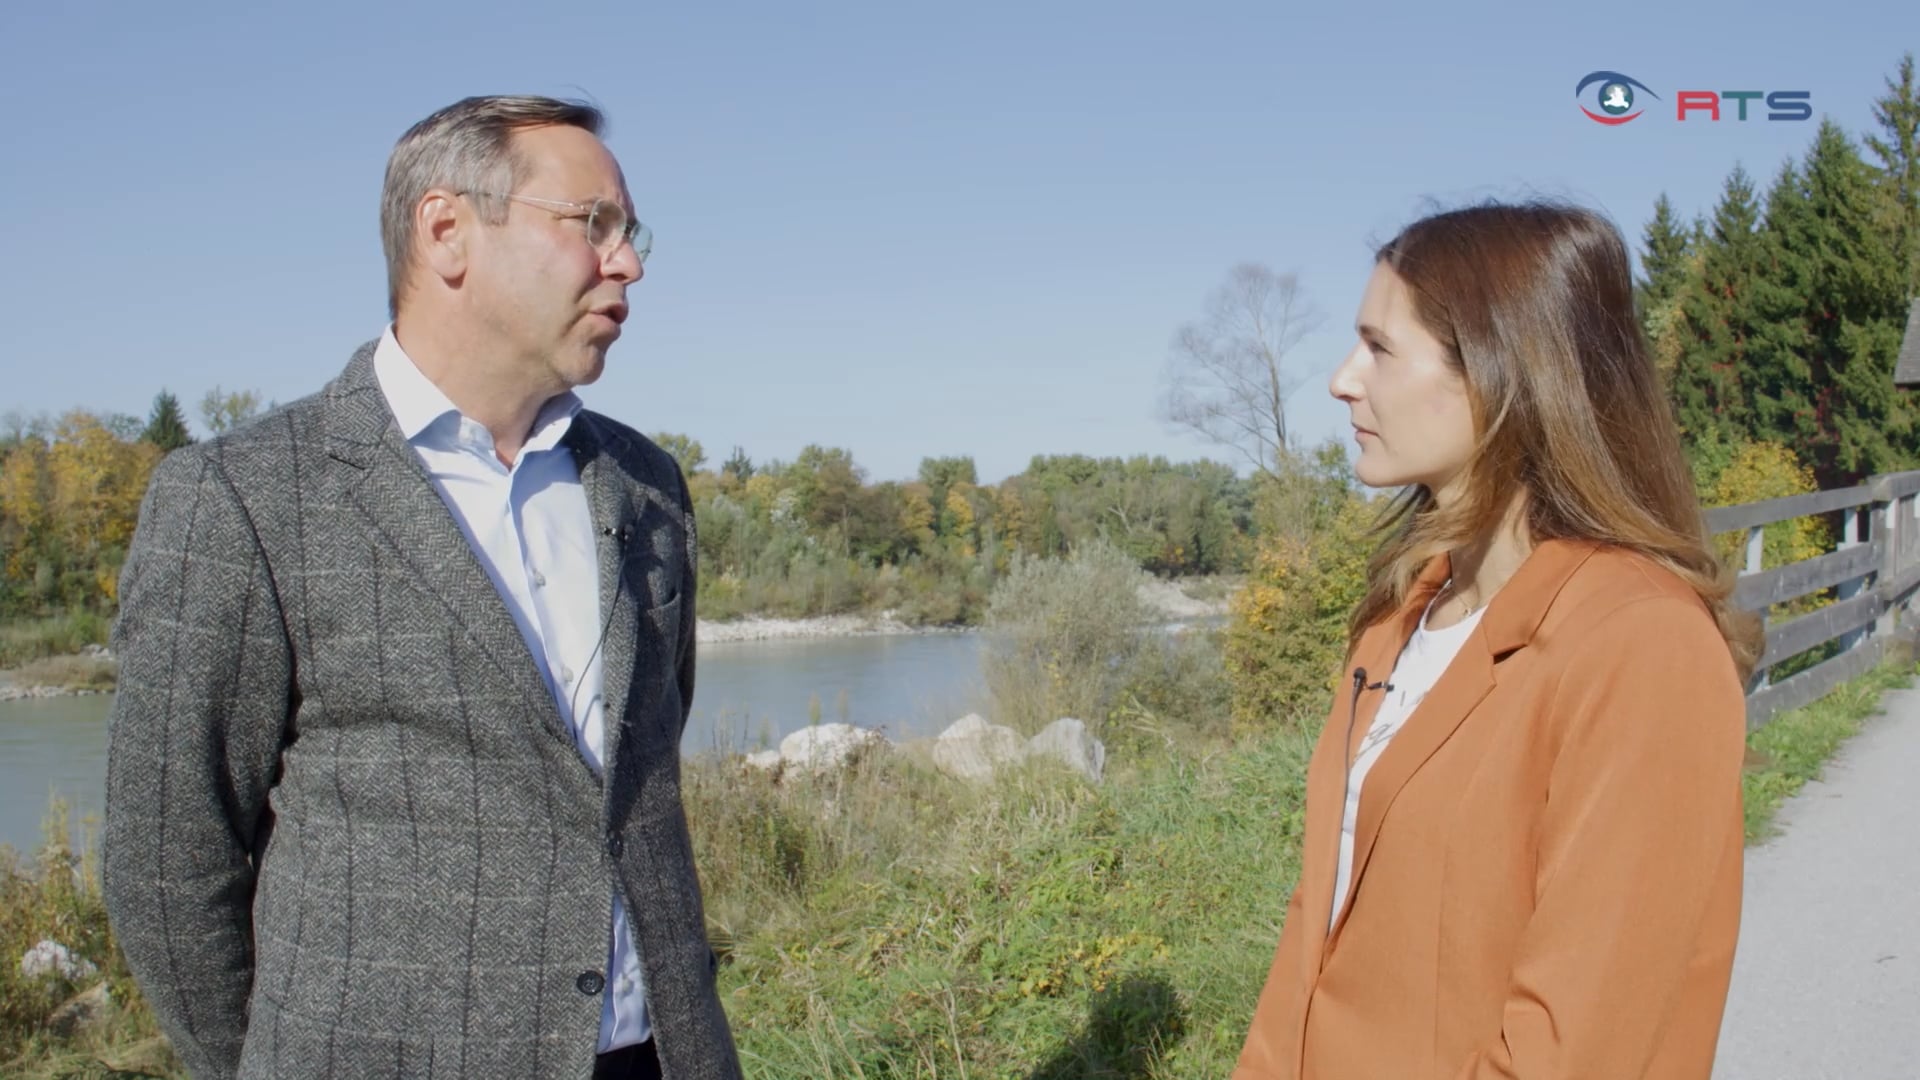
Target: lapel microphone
{"x": 622, "y": 534}
{"x": 1360, "y": 682}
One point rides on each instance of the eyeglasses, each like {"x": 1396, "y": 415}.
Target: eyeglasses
{"x": 608, "y": 225}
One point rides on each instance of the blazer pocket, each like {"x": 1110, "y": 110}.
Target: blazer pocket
{"x": 663, "y": 620}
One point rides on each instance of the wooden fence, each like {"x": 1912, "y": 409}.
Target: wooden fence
{"x": 1876, "y": 567}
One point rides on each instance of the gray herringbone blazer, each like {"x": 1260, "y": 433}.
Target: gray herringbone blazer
{"x": 347, "y": 830}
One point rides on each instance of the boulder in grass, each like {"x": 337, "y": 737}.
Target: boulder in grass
{"x": 972, "y": 749}
{"x": 765, "y": 760}
{"x": 52, "y": 958}
{"x": 1068, "y": 741}
{"x": 825, "y": 747}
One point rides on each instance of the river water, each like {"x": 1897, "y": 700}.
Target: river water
{"x": 747, "y": 694}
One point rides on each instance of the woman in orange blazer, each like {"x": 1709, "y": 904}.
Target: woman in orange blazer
{"x": 1523, "y": 824}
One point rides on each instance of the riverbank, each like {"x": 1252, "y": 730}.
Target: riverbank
{"x": 1167, "y": 598}
{"x": 91, "y": 670}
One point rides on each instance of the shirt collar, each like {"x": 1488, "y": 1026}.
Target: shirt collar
{"x": 426, "y": 416}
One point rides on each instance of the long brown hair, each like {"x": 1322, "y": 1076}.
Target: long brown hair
{"x": 1534, "y": 305}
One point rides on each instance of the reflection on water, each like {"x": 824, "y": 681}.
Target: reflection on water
{"x": 746, "y": 694}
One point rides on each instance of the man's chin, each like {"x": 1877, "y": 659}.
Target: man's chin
{"x": 590, "y": 367}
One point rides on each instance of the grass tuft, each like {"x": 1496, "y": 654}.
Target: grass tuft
{"x": 1793, "y": 747}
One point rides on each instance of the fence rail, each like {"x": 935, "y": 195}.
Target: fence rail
{"x": 1876, "y": 570}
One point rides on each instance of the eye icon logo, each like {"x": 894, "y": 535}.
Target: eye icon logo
{"x": 1614, "y": 96}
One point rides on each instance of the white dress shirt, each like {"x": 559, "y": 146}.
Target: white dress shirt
{"x": 531, "y": 528}
{"x": 1419, "y": 667}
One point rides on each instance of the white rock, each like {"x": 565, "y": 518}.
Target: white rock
{"x": 765, "y": 759}
{"x": 51, "y": 957}
{"x": 827, "y": 746}
{"x": 972, "y": 749}
{"x": 1068, "y": 741}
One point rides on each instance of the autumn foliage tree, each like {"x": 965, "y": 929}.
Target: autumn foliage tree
{"x": 69, "y": 500}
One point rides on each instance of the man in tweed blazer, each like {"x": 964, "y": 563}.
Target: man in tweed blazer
{"x": 394, "y": 779}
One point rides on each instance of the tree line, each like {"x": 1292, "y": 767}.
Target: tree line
{"x": 809, "y": 536}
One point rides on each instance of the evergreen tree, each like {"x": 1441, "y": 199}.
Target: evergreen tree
{"x": 166, "y": 425}
{"x": 1898, "y": 148}
{"x": 1832, "y": 311}
{"x": 1668, "y": 266}
{"x": 1778, "y": 379}
{"x": 1717, "y": 319}
{"x": 1664, "y": 264}
{"x": 739, "y": 467}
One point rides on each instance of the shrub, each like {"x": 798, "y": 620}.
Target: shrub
{"x": 1753, "y": 471}
{"x": 1742, "y": 472}
{"x": 1062, "y": 634}
{"x": 1175, "y": 691}
{"x": 1287, "y": 629}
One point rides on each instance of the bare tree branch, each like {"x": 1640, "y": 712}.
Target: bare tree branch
{"x": 1227, "y": 379}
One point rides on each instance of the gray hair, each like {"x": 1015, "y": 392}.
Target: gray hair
{"x": 467, "y": 146}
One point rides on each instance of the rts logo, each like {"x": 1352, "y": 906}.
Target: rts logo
{"x": 1615, "y": 99}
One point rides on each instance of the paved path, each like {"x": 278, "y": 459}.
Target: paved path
{"x": 1826, "y": 984}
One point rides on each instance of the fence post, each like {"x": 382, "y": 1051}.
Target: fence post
{"x": 1909, "y": 548}
{"x": 1756, "y": 562}
{"x": 1890, "y": 531}
{"x": 1850, "y": 523}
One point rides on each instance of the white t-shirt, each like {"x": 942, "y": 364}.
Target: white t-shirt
{"x": 1420, "y": 665}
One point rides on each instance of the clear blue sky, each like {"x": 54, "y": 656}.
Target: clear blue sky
{"x": 904, "y": 229}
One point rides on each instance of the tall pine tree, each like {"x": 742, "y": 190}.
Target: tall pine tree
{"x": 1664, "y": 263}
{"x": 1717, "y": 320}
{"x": 1668, "y": 266}
{"x": 1898, "y": 148}
{"x": 1777, "y": 376}
{"x": 167, "y": 425}
{"x": 1832, "y": 313}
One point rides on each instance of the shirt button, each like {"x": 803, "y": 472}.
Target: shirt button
{"x": 566, "y": 675}
{"x": 615, "y": 845}
{"x": 539, "y": 580}
{"x": 590, "y": 983}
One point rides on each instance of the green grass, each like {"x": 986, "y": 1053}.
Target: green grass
{"x": 889, "y": 922}
{"x": 894, "y": 923}
{"x": 1792, "y": 747}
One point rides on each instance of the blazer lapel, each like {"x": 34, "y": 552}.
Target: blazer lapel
{"x": 615, "y": 524}
{"x": 394, "y": 493}
{"x": 1509, "y": 624}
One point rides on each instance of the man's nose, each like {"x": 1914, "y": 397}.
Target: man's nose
{"x": 623, "y": 264}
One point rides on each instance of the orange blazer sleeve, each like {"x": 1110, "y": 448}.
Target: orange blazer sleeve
{"x": 1266, "y": 1053}
{"x": 1643, "y": 815}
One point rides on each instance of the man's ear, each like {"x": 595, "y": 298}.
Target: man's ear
{"x": 443, "y": 226}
